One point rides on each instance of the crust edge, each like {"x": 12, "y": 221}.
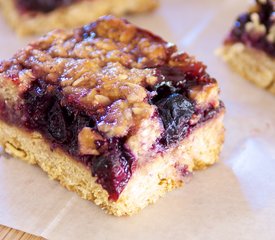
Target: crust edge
{"x": 245, "y": 61}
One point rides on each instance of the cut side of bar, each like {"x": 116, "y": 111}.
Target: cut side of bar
{"x": 111, "y": 111}
{"x": 29, "y": 17}
{"x": 249, "y": 49}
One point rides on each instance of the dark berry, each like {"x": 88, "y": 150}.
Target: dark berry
{"x": 175, "y": 112}
{"x": 163, "y": 91}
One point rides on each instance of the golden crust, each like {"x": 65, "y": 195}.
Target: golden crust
{"x": 254, "y": 65}
{"x": 150, "y": 181}
{"x": 74, "y": 15}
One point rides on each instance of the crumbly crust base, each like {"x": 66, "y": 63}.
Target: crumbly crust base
{"x": 254, "y": 65}
{"x": 148, "y": 183}
{"x": 74, "y": 15}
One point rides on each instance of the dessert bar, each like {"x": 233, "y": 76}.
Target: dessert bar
{"x": 250, "y": 47}
{"x": 40, "y": 16}
{"x": 111, "y": 111}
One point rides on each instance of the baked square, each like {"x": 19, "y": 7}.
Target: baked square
{"x": 111, "y": 111}
{"x": 40, "y": 16}
{"x": 250, "y": 46}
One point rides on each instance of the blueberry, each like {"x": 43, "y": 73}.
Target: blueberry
{"x": 163, "y": 91}
{"x": 175, "y": 111}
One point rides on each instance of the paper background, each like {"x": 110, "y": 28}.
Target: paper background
{"x": 235, "y": 199}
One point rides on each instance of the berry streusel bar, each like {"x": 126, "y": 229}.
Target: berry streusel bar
{"x": 40, "y": 16}
{"x": 112, "y": 111}
{"x": 250, "y": 47}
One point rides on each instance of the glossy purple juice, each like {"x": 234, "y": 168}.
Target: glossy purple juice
{"x": 48, "y": 111}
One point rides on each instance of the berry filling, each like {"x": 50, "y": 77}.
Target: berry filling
{"x": 175, "y": 112}
{"x": 256, "y": 28}
{"x": 44, "y": 6}
{"x": 46, "y": 111}
{"x": 113, "y": 168}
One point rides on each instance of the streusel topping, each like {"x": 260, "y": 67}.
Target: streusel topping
{"x": 105, "y": 67}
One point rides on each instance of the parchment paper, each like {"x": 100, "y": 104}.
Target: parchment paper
{"x": 235, "y": 199}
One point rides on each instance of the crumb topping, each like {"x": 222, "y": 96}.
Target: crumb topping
{"x": 255, "y": 27}
{"x": 105, "y": 67}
